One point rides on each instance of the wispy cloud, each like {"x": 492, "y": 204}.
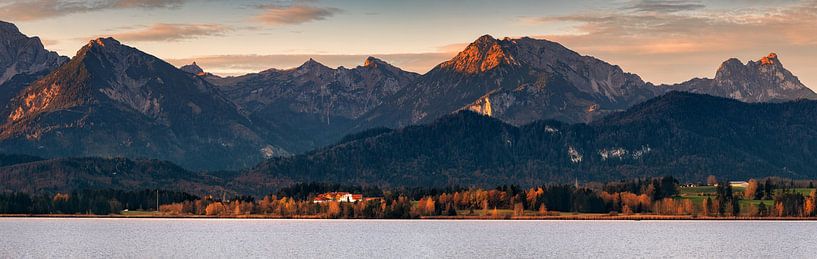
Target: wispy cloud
{"x": 48, "y": 42}
{"x": 27, "y": 10}
{"x": 665, "y": 6}
{"x": 661, "y": 40}
{"x": 297, "y": 13}
{"x": 172, "y": 32}
{"x": 714, "y": 30}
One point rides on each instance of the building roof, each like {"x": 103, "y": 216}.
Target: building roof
{"x": 336, "y": 196}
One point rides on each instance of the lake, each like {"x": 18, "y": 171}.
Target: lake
{"x": 230, "y": 238}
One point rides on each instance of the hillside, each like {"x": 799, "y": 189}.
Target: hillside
{"x": 69, "y": 174}
{"x": 112, "y": 100}
{"x": 688, "y": 136}
{"x": 685, "y": 135}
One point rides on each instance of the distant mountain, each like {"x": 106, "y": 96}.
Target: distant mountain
{"x": 523, "y": 80}
{"x": 315, "y": 104}
{"x": 71, "y": 174}
{"x": 765, "y": 80}
{"x": 113, "y": 100}
{"x": 685, "y": 135}
{"x": 23, "y": 59}
{"x": 517, "y": 81}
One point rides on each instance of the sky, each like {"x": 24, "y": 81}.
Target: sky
{"x": 663, "y": 41}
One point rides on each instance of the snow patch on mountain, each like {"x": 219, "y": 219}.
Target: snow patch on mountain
{"x": 575, "y": 156}
{"x": 622, "y": 153}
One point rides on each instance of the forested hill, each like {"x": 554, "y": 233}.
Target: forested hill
{"x": 34, "y": 175}
{"x": 688, "y": 136}
{"x": 12, "y": 159}
{"x": 685, "y": 135}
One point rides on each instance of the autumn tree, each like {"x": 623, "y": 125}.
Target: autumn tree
{"x": 789, "y": 204}
{"x": 215, "y": 209}
{"x": 431, "y": 206}
{"x": 750, "y": 192}
{"x": 334, "y": 209}
{"x": 171, "y": 209}
{"x": 810, "y": 206}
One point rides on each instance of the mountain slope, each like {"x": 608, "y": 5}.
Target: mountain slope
{"x": 689, "y": 136}
{"x": 315, "y": 103}
{"x": 765, "y": 80}
{"x": 71, "y": 174}
{"x": 685, "y": 135}
{"x": 523, "y": 80}
{"x": 517, "y": 81}
{"x": 114, "y": 100}
{"x": 23, "y": 60}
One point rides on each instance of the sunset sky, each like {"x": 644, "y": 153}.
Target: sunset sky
{"x": 664, "y": 41}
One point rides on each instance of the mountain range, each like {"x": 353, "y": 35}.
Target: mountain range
{"x": 314, "y": 104}
{"x": 686, "y": 135}
{"x": 112, "y": 100}
{"x": 116, "y": 101}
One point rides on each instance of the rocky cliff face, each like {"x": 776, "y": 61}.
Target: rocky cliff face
{"x": 23, "y": 59}
{"x": 114, "y": 100}
{"x": 193, "y": 69}
{"x": 523, "y": 80}
{"x": 314, "y": 102}
{"x": 764, "y": 80}
{"x": 518, "y": 81}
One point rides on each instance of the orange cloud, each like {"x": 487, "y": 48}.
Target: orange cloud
{"x": 172, "y": 32}
{"x": 676, "y": 42}
{"x": 294, "y": 14}
{"x": 27, "y": 10}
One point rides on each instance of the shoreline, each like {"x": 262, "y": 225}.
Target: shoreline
{"x": 645, "y": 217}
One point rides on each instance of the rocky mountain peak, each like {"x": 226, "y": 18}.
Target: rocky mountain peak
{"x": 482, "y": 55}
{"x": 485, "y": 40}
{"x": 768, "y": 67}
{"x": 104, "y": 42}
{"x": 764, "y": 80}
{"x": 728, "y": 67}
{"x": 153, "y": 108}
{"x": 6, "y": 27}
{"x": 771, "y": 59}
{"x": 23, "y": 55}
{"x": 373, "y": 62}
{"x": 312, "y": 65}
{"x": 105, "y": 46}
{"x": 193, "y": 69}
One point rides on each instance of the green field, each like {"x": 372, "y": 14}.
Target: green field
{"x": 700, "y": 193}
{"x": 140, "y": 213}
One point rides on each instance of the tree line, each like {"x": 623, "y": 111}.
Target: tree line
{"x": 100, "y": 202}
{"x": 657, "y": 196}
